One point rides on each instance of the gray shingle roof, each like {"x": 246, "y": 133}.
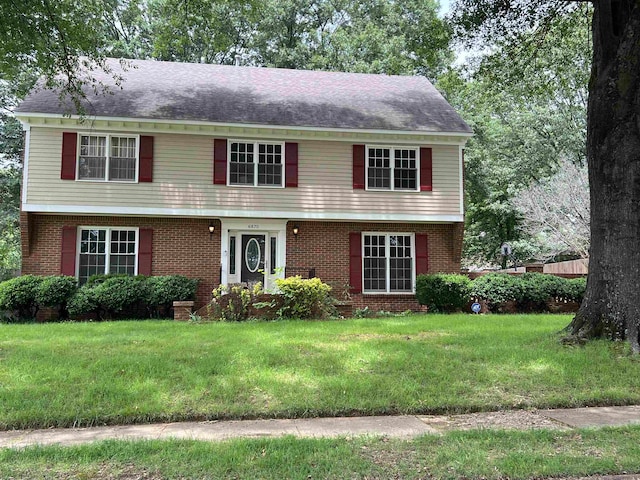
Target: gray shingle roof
{"x": 265, "y": 96}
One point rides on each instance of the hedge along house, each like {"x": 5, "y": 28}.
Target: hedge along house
{"x": 243, "y": 174}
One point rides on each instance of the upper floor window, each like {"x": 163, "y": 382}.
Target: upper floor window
{"x": 390, "y": 168}
{"x": 256, "y": 164}
{"x": 107, "y": 250}
{"x": 108, "y": 158}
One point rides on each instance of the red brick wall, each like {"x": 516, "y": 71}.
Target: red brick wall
{"x": 181, "y": 246}
{"x": 325, "y": 247}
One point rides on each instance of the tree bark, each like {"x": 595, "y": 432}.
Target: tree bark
{"x": 611, "y": 306}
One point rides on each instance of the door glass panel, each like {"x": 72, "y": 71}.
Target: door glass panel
{"x": 232, "y": 255}
{"x": 273, "y": 252}
{"x": 252, "y": 255}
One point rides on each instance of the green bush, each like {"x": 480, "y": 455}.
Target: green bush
{"x": 83, "y": 302}
{"x": 536, "y": 289}
{"x": 496, "y": 288}
{"x": 164, "y": 290}
{"x": 574, "y": 289}
{"x": 302, "y": 298}
{"x": 18, "y": 297}
{"x": 120, "y": 294}
{"x": 56, "y": 291}
{"x": 233, "y": 304}
{"x": 442, "y": 292}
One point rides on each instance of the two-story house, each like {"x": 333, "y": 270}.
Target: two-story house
{"x": 243, "y": 174}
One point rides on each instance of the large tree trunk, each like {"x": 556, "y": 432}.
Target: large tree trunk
{"x": 611, "y": 307}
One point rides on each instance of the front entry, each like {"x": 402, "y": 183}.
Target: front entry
{"x": 253, "y": 256}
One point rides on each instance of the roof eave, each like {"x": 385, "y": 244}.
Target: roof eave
{"x": 28, "y": 117}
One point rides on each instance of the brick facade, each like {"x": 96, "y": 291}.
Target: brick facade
{"x": 183, "y": 246}
{"x": 324, "y": 246}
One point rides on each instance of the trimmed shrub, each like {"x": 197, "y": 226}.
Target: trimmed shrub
{"x": 496, "y": 288}
{"x": 442, "y": 292}
{"x": 536, "y": 289}
{"x": 164, "y": 290}
{"x": 56, "y": 291}
{"x": 121, "y": 294}
{"x": 574, "y": 289}
{"x": 304, "y": 298}
{"x": 18, "y": 297}
{"x": 83, "y": 302}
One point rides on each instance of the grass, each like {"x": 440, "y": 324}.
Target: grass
{"x": 472, "y": 454}
{"x": 132, "y": 372}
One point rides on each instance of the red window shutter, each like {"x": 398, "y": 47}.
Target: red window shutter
{"x": 426, "y": 169}
{"x": 68, "y": 257}
{"x": 145, "y": 248}
{"x": 422, "y": 253}
{"x": 358, "y": 167}
{"x": 355, "y": 262}
{"x": 69, "y": 152}
{"x": 220, "y": 161}
{"x": 291, "y": 164}
{"x": 145, "y": 173}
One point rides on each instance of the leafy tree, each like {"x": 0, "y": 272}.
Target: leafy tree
{"x": 609, "y": 308}
{"x": 528, "y": 118}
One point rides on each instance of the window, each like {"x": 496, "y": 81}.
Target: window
{"x": 256, "y": 164}
{"x": 388, "y": 262}
{"x": 392, "y": 168}
{"x": 273, "y": 255}
{"x": 108, "y": 158}
{"x": 107, "y": 250}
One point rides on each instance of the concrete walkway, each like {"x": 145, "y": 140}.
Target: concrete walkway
{"x": 403, "y": 426}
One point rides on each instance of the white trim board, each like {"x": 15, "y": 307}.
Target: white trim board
{"x": 217, "y": 213}
{"x": 280, "y": 132}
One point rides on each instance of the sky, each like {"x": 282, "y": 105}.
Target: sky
{"x": 444, "y": 6}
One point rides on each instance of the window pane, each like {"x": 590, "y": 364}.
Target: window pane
{"x": 241, "y": 167}
{"x": 379, "y": 168}
{"x": 405, "y": 171}
{"x": 93, "y": 157}
{"x": 122, "y": 248}
{"x": 92, "y": 255}
{"x": 269, "y": 164}
{"x": 400, "y": 263}
{"x": 375, "y": 263}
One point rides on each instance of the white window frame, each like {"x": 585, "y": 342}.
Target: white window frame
{"x": 255, "y": 163}
{"x": 392, "y": 164}
{"x": 108, "y": 246}
{"x": 108, "y": 137}
{"x": 388, "y": 291}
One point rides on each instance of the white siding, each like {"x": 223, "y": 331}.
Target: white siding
{"x": 183, "y": 174}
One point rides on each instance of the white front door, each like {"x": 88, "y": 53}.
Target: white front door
{"x": 253, "y": 251}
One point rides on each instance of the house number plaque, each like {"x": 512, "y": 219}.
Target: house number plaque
{"x": 253, "y": 226}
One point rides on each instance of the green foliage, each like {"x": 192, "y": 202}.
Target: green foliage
{"x": 574, "y": 289}
{"x": 496, "y": 288}
{"x": 530, "y": 291}
{"x": 119, "y": 293}
{"x": 304, "y": 298}
{"x": 56, "y": 291}
{"x": 164, "y": 290}
{"x": 233, "y": 304}
{"x": 442, "y": 292}
{"x": 18, "y": 297}
{"x": 84, "y": 302}
{"x": 526, "y": 103}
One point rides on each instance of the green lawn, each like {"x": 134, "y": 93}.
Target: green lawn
{"x": 123, "y": 372}
{"x": 478, "y": 454}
